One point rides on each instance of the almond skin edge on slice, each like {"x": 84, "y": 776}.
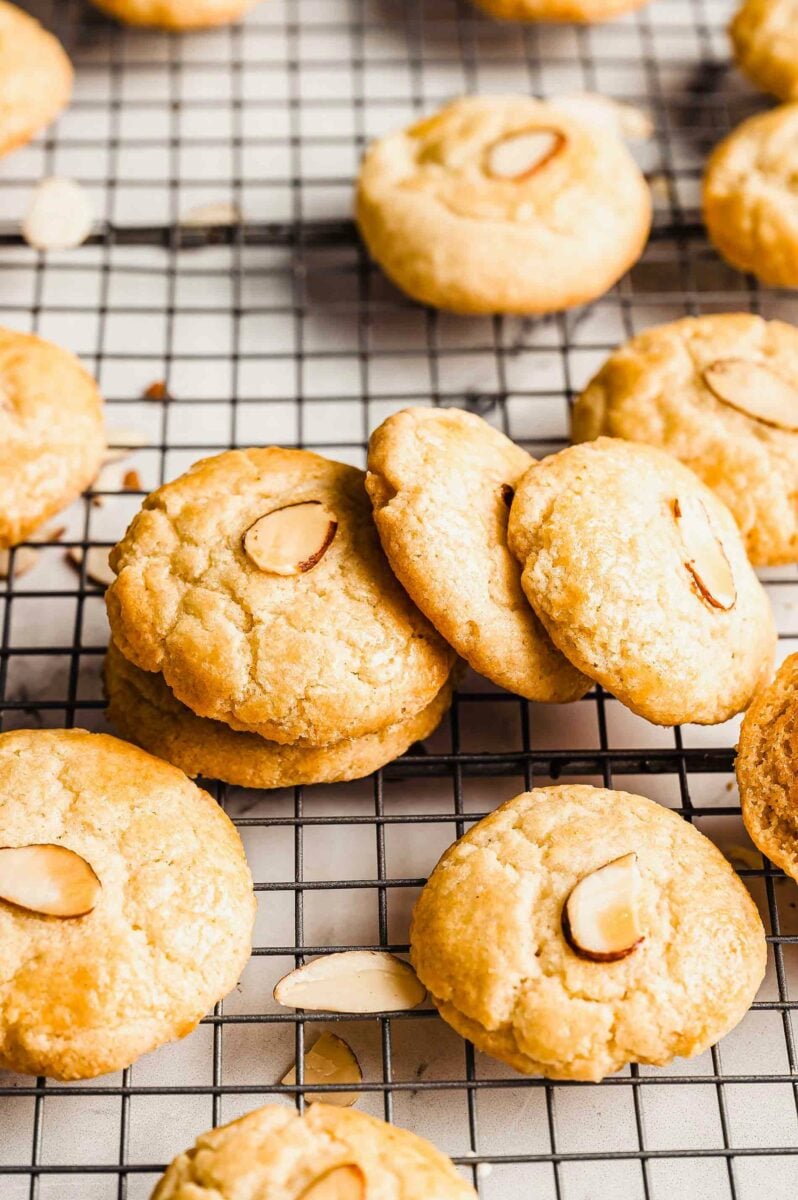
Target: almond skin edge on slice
{"x": 290, "y": 540}
{"x": 48, "y": 879}
{"x": 705, "y": 560}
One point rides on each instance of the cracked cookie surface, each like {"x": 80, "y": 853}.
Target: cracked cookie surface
{"x": 142, "y": 708}
{"x": 337, "y": 652}
{"x": 176, "y": 14}
{"x": 441, "y": 480}
{"x": 750, "y": 194}
{"x": 275, "y": 1152}
{"x": 451, "y": 233}
{"x": 170, "y": 932}
{"x": 655, "y": 389}
{"x": 607, "y": 569}
{"x": 487, "y": 940}
{"x": 52, "y": 436}
{"x": 35, "y": 77}
{"x": 764, "y": 35}
{"x": 767, "y": 769}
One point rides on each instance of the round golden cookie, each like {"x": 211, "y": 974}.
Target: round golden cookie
{"x": 581, "y": 11}
{"x": 333, "y": 652}
{"x": 767, "y": 768}
{"x": 142, "y": 709}
{"x": 502, "y": 204}
{"x": 35, "y": 77}
{"x": 750, "y": 196}
{"x": 640, "y": 576}
{"x": 52, "y": 437}
{"x": 720, "y": 393}
{"x": 441, "y": 481}
{"x": 171, "y": 927}
{"x": 176, "y": 14}
{"x": 328, "y": 1154}
{"x": 496, "y": 941}
{"x": 764, "y": 35}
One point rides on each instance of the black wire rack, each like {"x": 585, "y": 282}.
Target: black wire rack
{"x": 272, "y": 326}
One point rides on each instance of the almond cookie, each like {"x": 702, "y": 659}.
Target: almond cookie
{"x": 581, "y": 11}
{"x": 750, "y": 196}
{"x": 578, "y": 929}
{"x": 35, "y": 77}
{"x": 640, "y": 576}
{"x": 52, "y": 438}
{"x": 767, "y": 769}
{"x": 256, "y": 584}
{"x": 142, "y": 709}
{"x": 327, "y": 1154}
{"x": 126, "y": 905}
{"x": 764, "y": 35}
{"x": 176, "y": 14}
{"x": 502, "y": 204}
{"x": 441, "y": 481}
{"x": 720, "y": 393}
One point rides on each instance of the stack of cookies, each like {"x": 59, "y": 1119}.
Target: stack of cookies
{"x": 259, "y": 635}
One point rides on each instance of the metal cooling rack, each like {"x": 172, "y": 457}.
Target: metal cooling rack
{"x": 277, "y": 329}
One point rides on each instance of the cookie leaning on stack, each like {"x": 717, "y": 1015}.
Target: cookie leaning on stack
{"x": 255, "y": 586}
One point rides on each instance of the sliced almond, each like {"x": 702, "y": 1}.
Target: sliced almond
{"x": 705, "y": 557}
{"x": 122, "y": 442}
{"x": 156, "y": 391}
{"x": 756, "y": 390}
{"x": 217, "y": 212}
{"x": 329, "y": 1060}
{"x": 518, "y": 155}
{"x": 601, "y": 917}
{"x": 60, "y": 215}
{"x": 98, "y": 569}
{"x": 345, "y": 1182}
{"x": 354, "y": 981}
{"x": 24, "y": 559}
{"x": 292, "y": 539}
{"x": 131, "y": 481}
{"x": 48, "y": 879}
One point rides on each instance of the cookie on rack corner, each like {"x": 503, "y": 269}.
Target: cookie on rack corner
{"x": 35, "y": 77}
{"x": 327, "y": 1153}
{"x": 576, "y": 930}
{"x": 502, "y": 204}
{"x": 176, "y": 15}
{"x": 583, "y": 12}
{"x": 750, "y": 196}
{"x": 143, "y": 710}
{"x": 126, "y": 903}
{"x": 767, "y": 769}
{"x": 764, "y": 36}
{"x": 720, "y": 393}
{"x": 639, "y": 573}
{"x": 256, "y": 584}
{"x": 441, "y": 481}
{"x": 52, "y": 436}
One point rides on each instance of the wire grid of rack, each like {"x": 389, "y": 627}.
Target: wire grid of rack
{"x": 277, "y": 329}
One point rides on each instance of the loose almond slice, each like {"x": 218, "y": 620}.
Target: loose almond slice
{"x": 346, "y": 1182}
{"x": 705, "y": 557}
{"x": 755, "y": 390}
{"x": 48, "y": 879}
{"x": 601, "y": 917}
{"x": 98, "y": 569}
{"x": 519, "y": 155}
{"x": 60, "y": 215}
{"x": 123, "y": 442}
{"x": 354, "y": 981}
{"x": 329, "y": 1060}
{"x": 291, "y": 540}
{"x": 24, "y": 558}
